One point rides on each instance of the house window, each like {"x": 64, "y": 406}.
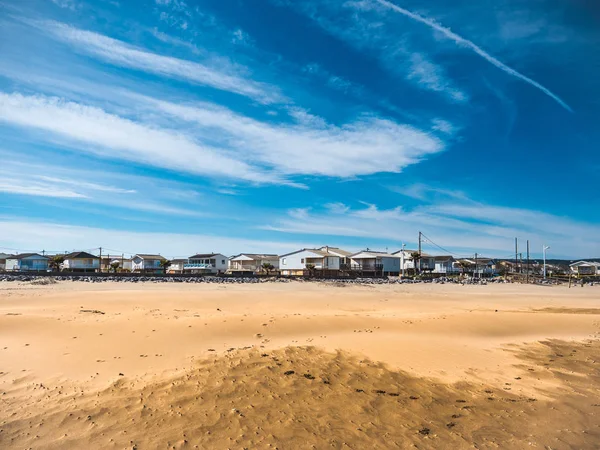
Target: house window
{"x": 302, "y": 261}
{"x": 283, "y": 262}
{"x": 222, "y": 261}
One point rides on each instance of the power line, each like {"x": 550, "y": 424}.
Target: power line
{"x": 438, "y": 246}
{"x": 510, "y": 256}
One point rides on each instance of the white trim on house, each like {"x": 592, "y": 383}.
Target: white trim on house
{"x": 177, "y": 265}
{"x": 146, "y": 263}
{"x": 206, "y": 263}
{"x": 251, "y": 262}
{"x": 370, "y": 261}
{"x": 295, "y": 263}
{"x": 3, "y": 258}
{"x": 427, "y": 261}
{"x": 81, "y": 262}
{"x": 585, "y": 268}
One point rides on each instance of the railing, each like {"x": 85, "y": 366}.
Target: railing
{"x": 33, "y": 267}
{"x": 366, "y": 267}
{"x": 82, "y": 266}
{"x": 197, "y": 266}
{"x": 248, "y": 268}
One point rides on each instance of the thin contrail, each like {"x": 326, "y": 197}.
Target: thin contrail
{"x": 462, "y": 41}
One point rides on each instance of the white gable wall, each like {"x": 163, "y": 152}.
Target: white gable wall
{"x": 298, "y": 261}
{"x": 221, "y": 262}
{"x": 82, "y": 263}
{"x": 12, "y": 264}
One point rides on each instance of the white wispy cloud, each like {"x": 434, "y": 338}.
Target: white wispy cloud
{"x": 459, "y": 227}
{"x": 239, "y": 36}
{"x": 368, "y": 34}
{"x": 157, "y": 196}
{"x": 432, "y": 76}
{"x": 39, "y": 189}
{"x": 312, "y": 146}
{"x": 334, "y": 81}
{"x": 66, "y": 4}
{"x": 224, "y": 143}
{"x": 124, "y": 55}
{"x": 168, "y": 39}
{"x": 115, "y": 137}
{"x": 549, "y": 225}
{"x": 30, "y": 235}
{"x": 443, "y": 126}
{"x": 85, "y": 185}
{"x": 427, "y": 192}
{"x": 475, "y": 48}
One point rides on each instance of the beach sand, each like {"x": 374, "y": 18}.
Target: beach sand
{"x": 298, "y": 365}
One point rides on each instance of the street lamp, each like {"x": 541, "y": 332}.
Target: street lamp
{"x": 402, "y": 261}
{"x": 544, "y": 248}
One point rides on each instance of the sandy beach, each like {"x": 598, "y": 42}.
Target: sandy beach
{"x": 298, "y": 365}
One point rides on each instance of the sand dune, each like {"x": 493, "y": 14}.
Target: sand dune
{"x": 298, "y": 366}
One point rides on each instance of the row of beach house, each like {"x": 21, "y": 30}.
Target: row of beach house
{"x": 325, "y": 260}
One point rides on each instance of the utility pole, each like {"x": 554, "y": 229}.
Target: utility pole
{"x": 420, "y": 252}
{"x": 100, "y": 259}
{"x": 516, "y": 259}
{"x": 521, "y": 261}
{"x": 43, "y": 252}
{"x": 475, "y": 265}
{"x": 527, "y": 261}
{"x": 544, "y": 248}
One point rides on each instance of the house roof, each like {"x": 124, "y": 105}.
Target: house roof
{"x": 5, "y": 255}
{"x": 479, "y": 260}
{"x": 27, "y": 255}
{"x": 443, "y": 257}
{"x": 372, "y": 254}
{"x": 82, "y": 255}
{"x": 585, "y": 263}
{"x": 255, "y": 255}
{"x": 149, "y": 256}
{"x": 204, "y": 255}
{"x": 336, "y": 251}
{"x": 177, "y": 261}
{"x": 408, "y": 252}
{"x": 312, "y": 250}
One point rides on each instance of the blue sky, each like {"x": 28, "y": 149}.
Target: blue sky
{"x": 230, "y": 126}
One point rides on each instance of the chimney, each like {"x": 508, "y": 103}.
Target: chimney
{"x": 327, "y": 249}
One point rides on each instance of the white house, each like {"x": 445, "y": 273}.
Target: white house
{"x": 375, "y": 262}
{"x": 251, "y": 262}
{"x": 177, "y": 265}
{"x": 296, "y": 263}
{"x": 81, "y": 262}
{"x": 208, "y": 263}
{"x": 444, "y": 264}
{"x": 145, "y": 263}
{"x": 426, "y": 263}
{"x": 343, "y": 254}
{"x": 478, "y": 267}
{"x": 125, "y": 264}
{"x": 3, "y": 257}
{"x": 585, "y": 268}
{"x": 27, "y": 262}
